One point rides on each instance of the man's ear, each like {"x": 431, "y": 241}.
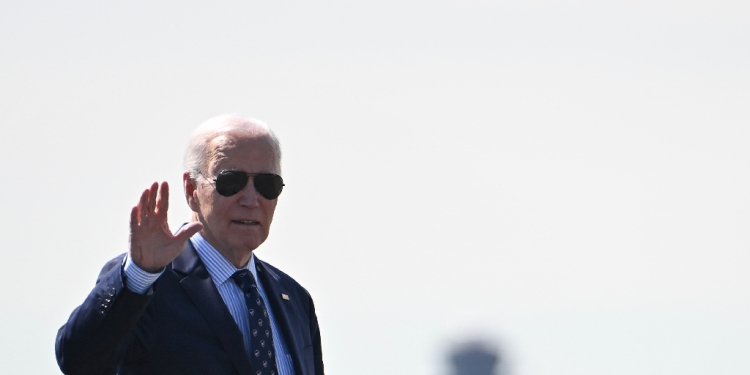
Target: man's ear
{"x": 191, "y": 193}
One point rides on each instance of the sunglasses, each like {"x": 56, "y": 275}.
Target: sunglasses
{"x": 230, "y": 182}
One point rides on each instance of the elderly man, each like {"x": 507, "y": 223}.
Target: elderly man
{"x": 199, "y": 301}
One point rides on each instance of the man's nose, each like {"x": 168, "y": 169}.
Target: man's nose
{"x": 249, "y": 196}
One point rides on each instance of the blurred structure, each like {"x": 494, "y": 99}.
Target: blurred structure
{"x": 475, "y": 358}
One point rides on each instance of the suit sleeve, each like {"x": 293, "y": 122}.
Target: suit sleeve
{"x": 316, "y": 342}
{"x": 98, "y": 333}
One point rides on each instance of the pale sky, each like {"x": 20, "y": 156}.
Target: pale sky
{"x": 566, "y": 178}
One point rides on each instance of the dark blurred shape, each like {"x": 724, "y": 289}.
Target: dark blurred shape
{"x": 475, "y": 358}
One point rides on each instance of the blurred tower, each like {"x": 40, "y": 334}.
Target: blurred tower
{"x": 474, "y": 358}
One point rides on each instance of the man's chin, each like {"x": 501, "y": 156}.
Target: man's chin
{"x": 248, "y": 246}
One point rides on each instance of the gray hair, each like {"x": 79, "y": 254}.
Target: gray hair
{"x": 196, "y": 152}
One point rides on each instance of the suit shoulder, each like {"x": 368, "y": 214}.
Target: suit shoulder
{"x": 283, "y": 278}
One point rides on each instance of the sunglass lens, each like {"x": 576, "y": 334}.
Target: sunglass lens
{"x": 268, "y": 185}
{"x": 229, "y": 183}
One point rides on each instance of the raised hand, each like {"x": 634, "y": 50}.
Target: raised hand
{"x": 152, "y": 244}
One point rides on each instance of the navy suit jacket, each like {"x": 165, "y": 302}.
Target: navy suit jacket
{"x": 183, "y": 327}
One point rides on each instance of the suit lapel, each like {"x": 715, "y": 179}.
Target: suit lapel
{"x": 284, "y": 312}
{"x": 203, "y": 293}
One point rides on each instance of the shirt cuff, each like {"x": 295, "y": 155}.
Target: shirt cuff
{"x": 138, "y": 280}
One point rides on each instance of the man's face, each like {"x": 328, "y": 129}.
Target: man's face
{"x": 239, "y": 223}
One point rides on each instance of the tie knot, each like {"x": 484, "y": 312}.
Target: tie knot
{"x": 244, "y": 279}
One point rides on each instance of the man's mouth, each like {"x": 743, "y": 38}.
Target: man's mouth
{"x": 245, "y": 222}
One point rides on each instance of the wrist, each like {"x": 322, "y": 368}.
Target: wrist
{"x": 137, "y": 279}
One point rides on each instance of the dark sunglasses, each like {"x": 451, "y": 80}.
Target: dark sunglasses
{"x": 230, "y": 182}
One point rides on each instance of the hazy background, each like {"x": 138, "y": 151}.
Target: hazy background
{"x": 568, "y": 179}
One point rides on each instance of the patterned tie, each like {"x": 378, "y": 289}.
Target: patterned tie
{"x": 263, "y": 356}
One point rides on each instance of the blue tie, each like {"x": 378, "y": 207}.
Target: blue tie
{"x": 262, "y": 356}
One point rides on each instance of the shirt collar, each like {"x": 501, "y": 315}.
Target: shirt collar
{"x": 219, "y": 267}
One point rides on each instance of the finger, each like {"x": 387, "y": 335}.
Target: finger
{"x": 188, "y": 230}
{"x": 142, "y": 205}
{"x": 152, "y": 197}
{"x": 133, "y": 219}
{"x": 162, "y": 201}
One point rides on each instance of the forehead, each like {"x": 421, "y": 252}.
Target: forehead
{"x": 248, "y": 152}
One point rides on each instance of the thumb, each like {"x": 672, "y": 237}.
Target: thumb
{"x": 188, "y": 230}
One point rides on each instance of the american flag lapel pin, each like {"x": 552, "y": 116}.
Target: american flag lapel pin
{"x": 284, "y": 296}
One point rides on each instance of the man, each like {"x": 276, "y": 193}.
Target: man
{"x": 199, "y": 301}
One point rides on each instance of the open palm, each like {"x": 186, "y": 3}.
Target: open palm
{"x": 152, "y": 244}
